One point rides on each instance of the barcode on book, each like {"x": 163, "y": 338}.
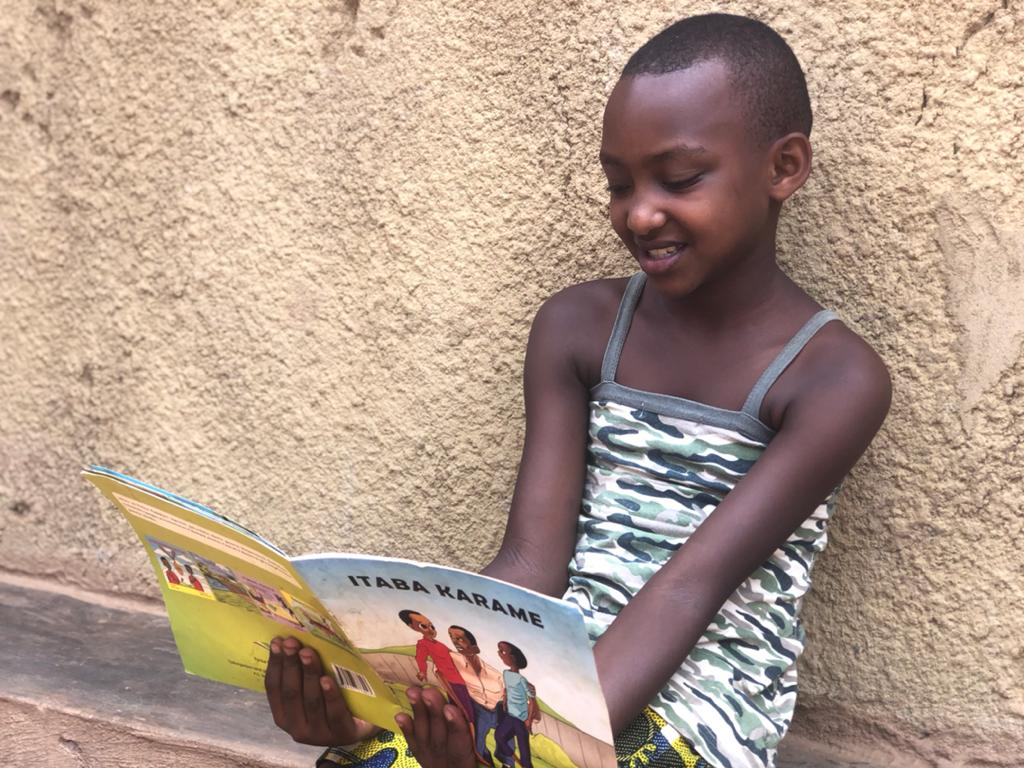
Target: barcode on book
{"x": 348, "y": 678}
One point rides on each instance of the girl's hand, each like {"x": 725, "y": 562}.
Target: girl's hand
{"x": 438, "y": 733}
{"x": 305, "y": 702}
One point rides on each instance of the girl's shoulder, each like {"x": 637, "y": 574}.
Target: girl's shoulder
{"x": 591, "y": 300}
{"x": 825, "y": 365}
{"x": 578, "y": 321}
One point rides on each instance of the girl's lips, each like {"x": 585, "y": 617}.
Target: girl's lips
{"x": 661, "y": 260}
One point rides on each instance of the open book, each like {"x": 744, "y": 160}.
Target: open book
{"x": 379, "y": 624}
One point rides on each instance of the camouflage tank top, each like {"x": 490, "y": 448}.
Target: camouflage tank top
{"x": 657, "y": 466}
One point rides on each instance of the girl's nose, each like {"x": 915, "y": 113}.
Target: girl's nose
{"x": 644, "y": 218}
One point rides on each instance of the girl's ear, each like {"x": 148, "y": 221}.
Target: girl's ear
{"x": 791, "y": 165}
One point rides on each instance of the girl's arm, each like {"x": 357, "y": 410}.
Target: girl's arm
{"x": 541, "y": 531}
{"x": 836, "y": 401}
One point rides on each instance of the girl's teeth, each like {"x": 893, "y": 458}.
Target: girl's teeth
{"x": 658, "y": 253}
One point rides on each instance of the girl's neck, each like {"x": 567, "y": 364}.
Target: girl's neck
{"x": 730, "y": 301}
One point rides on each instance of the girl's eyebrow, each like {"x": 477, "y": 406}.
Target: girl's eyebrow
{"x": 679, "y": 150}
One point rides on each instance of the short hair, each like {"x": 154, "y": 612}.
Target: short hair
{"x": 519, "y": 656}
{"x": 763, "y": 68}
{"x": 406, "y": 616}
{"x": 466, "y": 632}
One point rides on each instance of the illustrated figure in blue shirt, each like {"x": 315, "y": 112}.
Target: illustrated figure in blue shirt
{"x": 520, "y": 710}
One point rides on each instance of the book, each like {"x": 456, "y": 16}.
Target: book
{"x": 379, "y": 624}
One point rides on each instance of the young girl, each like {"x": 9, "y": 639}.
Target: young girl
{"x": 687, "y": 429}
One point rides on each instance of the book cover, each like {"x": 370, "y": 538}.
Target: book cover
{"x": 517, "y": 663}
{"x": 500, "y": 652}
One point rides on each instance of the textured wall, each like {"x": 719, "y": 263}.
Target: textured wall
{"x": 283, "y": 258}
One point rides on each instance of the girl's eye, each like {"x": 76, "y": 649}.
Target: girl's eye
{"x": 617, "y": 190}
{"x": 677, "y": 185}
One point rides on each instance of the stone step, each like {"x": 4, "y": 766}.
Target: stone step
{"x": 71, "y": 660}
{"x": 93, "y": 680}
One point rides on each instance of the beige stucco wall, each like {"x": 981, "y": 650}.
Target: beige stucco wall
{"x": 283, "y": 257}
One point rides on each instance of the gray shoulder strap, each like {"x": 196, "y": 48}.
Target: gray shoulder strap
{"x": 630, "y": 298}
{"x": 794, "y": 346}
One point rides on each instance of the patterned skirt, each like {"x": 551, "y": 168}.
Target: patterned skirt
{"x": 648, "y": 742}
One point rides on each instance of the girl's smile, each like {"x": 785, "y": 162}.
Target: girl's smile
{"x": 658, "y": 259}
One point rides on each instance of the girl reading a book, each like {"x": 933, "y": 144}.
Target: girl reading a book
{"x": 687, "y": 428}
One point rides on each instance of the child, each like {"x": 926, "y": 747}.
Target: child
{"x": 486, "y": 687}
{"x": 519, "y": 709}
{"x": 169, "y": 574}
{"x": 193, "y": 580}
{"x": 687, "y": 428}
{"x": 429, "y": 647}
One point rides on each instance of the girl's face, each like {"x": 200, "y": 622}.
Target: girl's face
{"x": 689, "y": 187}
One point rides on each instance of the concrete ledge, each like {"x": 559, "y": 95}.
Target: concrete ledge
{"x": 86, "y": 678}
{"x": 39, "y": 737}
{"x": 92, "y": 680}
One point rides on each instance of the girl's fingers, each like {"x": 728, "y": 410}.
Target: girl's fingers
{"x": 272, "y": 682}
{"x": 404, "y": 723}
{"x": 459, "y": 740}
{"x": 420, "y": 720}
{"x": 291, "y": 688}
{"x": 438, "y": 737}
{"x": 312, "y": 694}
{"x": 339, "y": 720}
{"x": 438, "y": 733}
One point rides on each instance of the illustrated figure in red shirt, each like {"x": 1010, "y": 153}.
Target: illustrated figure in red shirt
{"x": 428, "y": 647}
{"x": 169, "y": 574}
{"x": 193, "y": 580}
